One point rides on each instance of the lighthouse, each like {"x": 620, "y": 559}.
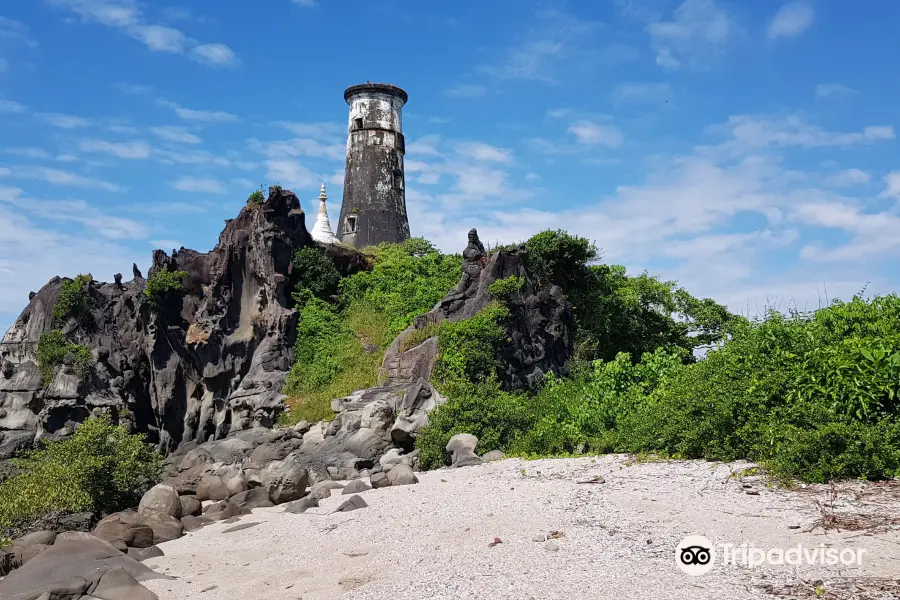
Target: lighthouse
{"x": 374, "y": 204}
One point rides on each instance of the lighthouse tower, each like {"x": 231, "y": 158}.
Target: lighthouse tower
{"x": 374, "y": 206}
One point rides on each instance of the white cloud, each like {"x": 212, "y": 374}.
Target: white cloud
{"x": 178, "y": 135}
{"x": 306, "y": 3}
{"x": 589, "y": 133}
{"x": 828, "y": 90}
{"x": 166, "y": 244}
{"x": 213, "y": 54}
{"x": 849, "y": 178}
{"x": 9, "y": 106}
{"x": 132, "y": 88}
{"x": 635, "y": 93}
{"x": 16, "y": 31}
{"x": 62, "y": 178}
{"x": 696, "y": 35}
{"x": 30, "y": 255}
{"x": 791, "y": 20}
{"x": 159, "y": 38}
{"x": 30, "y": 152}
{"x": 136, "y": 149}
{"x": 127, "y": 16}
{"x": 753, "y": 132}
{"x": 318, "y": 131}
{"x": 199, "y": 185}
{"x": 243, "y": 183}
{"x": 292, "y": 173}
{"x": 207, "y": 116}
{"x": 193, "y": 157}
{"x": 892, "y": 184}
{"x": 559, "y": 42}
{"x": 466, "y": 90}
{"x": 64, "y": 121}
{"x": 481, "y": 151}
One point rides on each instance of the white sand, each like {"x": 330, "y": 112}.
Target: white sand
{"x": 430, "y": 541}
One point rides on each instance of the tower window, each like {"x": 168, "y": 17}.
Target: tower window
{"x": 398, "y": 180}
{"x": 358, "y": 123}
{"x": 350, "y": 224}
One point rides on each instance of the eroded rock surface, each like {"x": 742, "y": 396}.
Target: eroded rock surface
{"x": 210, "y": 361}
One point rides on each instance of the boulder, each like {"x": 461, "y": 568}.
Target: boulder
{"x": 462, "y": 450}
{"x": 302, "y": 505}
{"x": 212, "y": 487}
{"x": 37, "y": 537}
{"x": 190, "y": 506}
{"x": 285, "y": 480}
{"x": 352, "y": 503}
{"x": 322, "y": 489}
{"x": 191, "y": 523}
{"x": 125, "y": 527}
{"x": 254, "y": 498}
{"x": 356, "y": 486}
{"x": 118, "y": 584}
{"x": 165, "y": 528}
{"x": 379, "y": 480}
{"x": 142, "y": 554}
{"x": 32, "y": 551}
{"x": 74, "y": 564}
{"x": 161, "y": 499}
{"x": 493, "y": 455}
{"x": 402, "y": 475}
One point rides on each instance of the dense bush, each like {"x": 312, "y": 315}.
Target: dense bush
{"x": 406, "y": 280}
{"x": 813, "y": 397}
{"x": 315, "y": 272}
{"x": 504, "y": 289}
{"x": 53, "y": 350}
{"x": 100, "y": 469}
{"x": 73, "y": 301}
{"x": 257, "y": 197}
{"x": 469, "y": 350}
{"x": 162, "y": 283}
{"x": 330, "y": 360}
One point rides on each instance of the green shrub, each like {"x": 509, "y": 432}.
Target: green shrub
{"x": 101, "y": 469}
{"x": 329, "y": 358}
{"x": 52, "y": 351}
{"x": 315, "y": 272}
{"x": 257, "y": 197}
{"x": 469, "y": 350}
{"x": 406, "y": 280}
{"x": 161, "y": 283}
{"x": 504, "y": 289}
{"x": 484, "y": 410}
{"x": 73, "y": 301}
{"x": 812, "y": 397}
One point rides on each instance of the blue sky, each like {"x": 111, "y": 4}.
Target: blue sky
{"x": 746, "y": 149}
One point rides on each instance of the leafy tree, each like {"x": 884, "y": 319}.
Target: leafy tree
{"x": 315, "y": 272}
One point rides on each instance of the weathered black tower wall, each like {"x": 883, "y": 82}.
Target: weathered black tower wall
{"x": 374, "y": 205}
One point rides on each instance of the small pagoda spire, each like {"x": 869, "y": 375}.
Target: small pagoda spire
{"x": 321, "y": 231}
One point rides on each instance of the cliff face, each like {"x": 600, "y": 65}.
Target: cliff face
{"x": 208, "y": 361}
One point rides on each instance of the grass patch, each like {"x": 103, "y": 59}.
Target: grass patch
{"x": 330, "y": 360}
{"x": 418, "y": 336}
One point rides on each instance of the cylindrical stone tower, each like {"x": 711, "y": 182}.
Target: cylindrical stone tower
{"x": 374, "y": 206}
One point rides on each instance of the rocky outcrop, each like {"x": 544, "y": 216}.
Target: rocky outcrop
{"x": 208, "y": 361}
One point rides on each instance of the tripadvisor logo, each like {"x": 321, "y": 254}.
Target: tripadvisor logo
{"x": 696, "y": 555}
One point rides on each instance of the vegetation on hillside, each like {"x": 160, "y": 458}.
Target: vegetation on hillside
{"x": 100, "y": 469}
{"x": 811, "y": 396}
{"x": 346, "y": 324}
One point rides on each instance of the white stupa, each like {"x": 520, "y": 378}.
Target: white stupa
{"x": 321, "y": 231}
